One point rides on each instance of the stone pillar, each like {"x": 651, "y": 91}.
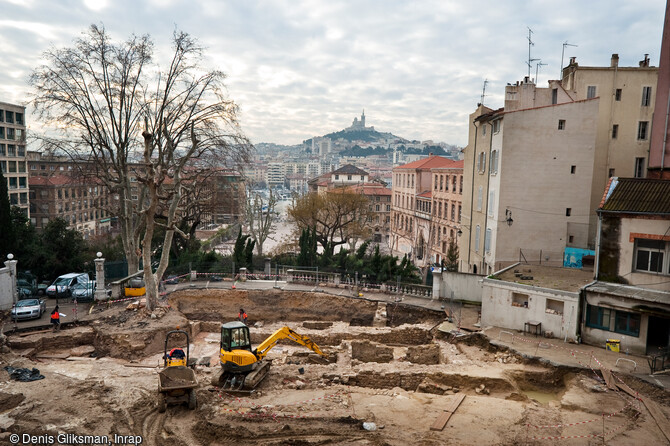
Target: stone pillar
{"x": 268, "y": 266}
{"x": 100, "y": 292}
{"x": 11, "y": 264}
{"x": 437, "y": 283}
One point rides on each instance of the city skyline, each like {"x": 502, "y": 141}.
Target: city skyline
{"x": 303, "y": 69}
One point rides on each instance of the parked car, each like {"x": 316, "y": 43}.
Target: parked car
{"x": 63, "y": 285}
{"x": 28, "y": 309}
{"x": 84, "y": 291}
{"x": 172, "y": 280}
{"x": 26, "y": 284}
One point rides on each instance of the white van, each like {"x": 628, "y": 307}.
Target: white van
{"x": 63, "y": 285}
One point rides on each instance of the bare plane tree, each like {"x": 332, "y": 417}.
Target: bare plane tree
{"x": 148, "y": 132}
{"x": 261, "y": 221}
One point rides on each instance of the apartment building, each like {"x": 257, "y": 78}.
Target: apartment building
{"x": 413, "y": 206}
{"x": 82, "y": 203}
{"x": 447, "y": 193}
{"x": 534, "y": 169}
{"x": 13, "y": 154}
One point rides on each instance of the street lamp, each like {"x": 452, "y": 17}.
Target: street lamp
{"x": 508, "y": 217}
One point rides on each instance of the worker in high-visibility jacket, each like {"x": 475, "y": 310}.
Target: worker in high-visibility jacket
{"x": 55, "y": 319}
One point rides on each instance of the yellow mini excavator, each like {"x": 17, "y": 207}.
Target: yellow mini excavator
{"x": 243, "y": 368}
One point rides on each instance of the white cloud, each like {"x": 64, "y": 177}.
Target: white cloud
{"x": 300, "y": 68}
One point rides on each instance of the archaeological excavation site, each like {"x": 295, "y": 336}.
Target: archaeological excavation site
{"x": 348, "y": 371}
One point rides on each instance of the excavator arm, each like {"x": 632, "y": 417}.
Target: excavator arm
{"x": 285, "y": 333}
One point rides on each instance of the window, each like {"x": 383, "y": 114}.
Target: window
{"x": 12, "y": 166}
{"x": 493, "y": 169}
{"x": 492, "y": 199}
{"x": 435, "y": 183}
{"x": 11, "y": 133}
{"x": 477, "y": 235}
{"x": 561, "y": 124}
{"x": 568, "y": 211}
{"x": 23, "y": 182}
{"x": 642, "y": 130}
{"x": 22, "y": 167}
{"x": 615, "y": 131}
{"x": 2, "y": 150}
{"x": 2, "y": 116}
{"x": 337, "y": 177}
{"x": 611, "y": 173}
{"x": 481, "y": 162}
{"x": 554, "y": 307}
{"x": 487, "y": 240}
{"x": 520, "y": 300}
{"x": 496, "y": 126}
{"x": 484, "y": 130}
{"x": 377, "y": 208}
{"x": 460, "y": 190}
{"x": 649, "y": 255}
{"x": 388, "y": 208}
{"x": 590, "y": 92}
{"x": 573, "y": 169}
{"x": 459, "y": 213}
{"x": 554, "y": 96}
{"x": 479, "y": 198}
{"x": 453, "y": 212}
{"x": 9, "y": 117}
{"x": 617, "y": 94}
{"x": 11, "y": 150}
{"x": 639, "y": 167}
{"x": 627, "y": 323}
{"x": 12, "y": 183}
{"x": 348, "y": 177}
{"x": 598, "y": 317}
{"x": 453, "y": 184}
{"x": 21, "y": 150}
{"x": 441, "y": 182}
{"x": 362, "y": 177}
{"x": 646, "y": 96}
{"x": 2, "y": 132}
{"x": 19, "y": 117}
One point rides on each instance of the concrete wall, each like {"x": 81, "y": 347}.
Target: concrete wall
{"x": 464, "y": 286}
{"x": 498, "y": 309}
{"x": 6, "y": 298}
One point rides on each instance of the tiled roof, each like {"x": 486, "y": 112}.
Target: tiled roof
{"x": 456, "y": 165}
{"x": 371, "y": 189}
{"x": 349, "y": 169}
{"x": 426, "y": 194}
{"x": 430, "y": 162}
{"x": 54, "y": 180}
{"x": 637, "y": 196}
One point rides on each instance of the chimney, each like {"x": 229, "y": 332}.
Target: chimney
{"x": 645, "y": 63}
{"x": 573, "y": 60}
{"x": 615, "y": 61}
{"x": 430, "y": 154}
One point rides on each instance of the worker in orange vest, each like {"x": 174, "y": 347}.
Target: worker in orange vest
{"x": 242, "y": 316}
{"x": 55, "y": 319}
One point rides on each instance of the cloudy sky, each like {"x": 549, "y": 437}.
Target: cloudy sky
{"x": 301, "y": 68}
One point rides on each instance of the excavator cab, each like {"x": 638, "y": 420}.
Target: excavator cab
{"x": 236, "y": 353}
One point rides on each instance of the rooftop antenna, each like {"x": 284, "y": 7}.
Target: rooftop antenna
{"x": 486, "y": 81}
{"x": 562, "y": 54}
{"x": 530, "y": 43}
{"x": 537, "y": 67}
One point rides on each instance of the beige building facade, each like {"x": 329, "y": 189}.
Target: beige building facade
{"x": 447, "y": 193}
{"x": 413, "y": 229}
{"x": 534, "y": 169}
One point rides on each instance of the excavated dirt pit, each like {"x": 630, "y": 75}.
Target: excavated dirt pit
{"x": 385, "y": 366}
